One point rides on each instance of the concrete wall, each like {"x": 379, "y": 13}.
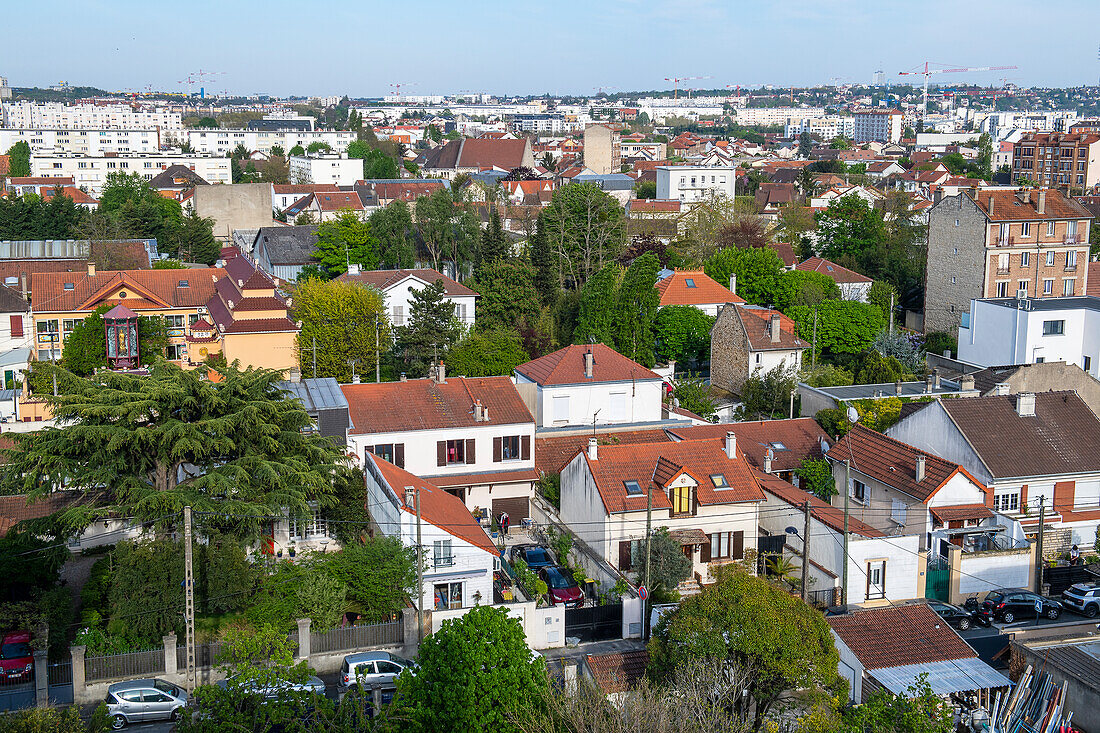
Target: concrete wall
{"x": 986, "y": 571}
{"x": 545, "y": 627}
{"x": 239, "y": 206}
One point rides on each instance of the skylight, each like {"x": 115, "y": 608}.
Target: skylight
{"x": 632, "y": 488}
{"x": 689, "y": 282}
{"x": 778, "y": 446}
{"x": 719, "y": 481}
{"x": 184, "y": 284}
{"x": 68, "y": 286}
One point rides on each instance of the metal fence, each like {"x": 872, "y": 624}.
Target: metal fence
{"x": 206, "y": 655}
{"x": 357, "y": 637}
{"x": 60, "y": 676}
{"x": 134, "y": 664}
{"x": 823, "y": 598}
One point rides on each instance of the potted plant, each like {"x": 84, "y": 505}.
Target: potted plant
{"x": 293, "y": 550}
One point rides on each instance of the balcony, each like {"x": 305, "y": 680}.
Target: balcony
{"x": 1070, "y": 239}
{"x": 1002, "y": 270}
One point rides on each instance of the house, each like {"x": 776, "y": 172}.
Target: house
{"x": 615, "y": 674}
{"x": 1001, "y": 243}
{"x": 772, "y": 197}
{"x": 471, "y": 437}
{"x": 602, "y": 148}
{"x": 398, "y": 286}
{"x": 329, "y": 205}
{"x": 459, "y": 557}
{"x": 653, "y": 209}
{"x": 689, "y": 183}
{"x": 334, "y": 168}
{"x": 853, "y": 286}
{"x": 325, "y": 404}
{"x": 881, "y": 169}
{"x": 285, "y": 194}
{"x": 747, "y": 339}
{"x": 702, "y": 491}
{"x": 16, "y": 325}
{"x": 470, "y": 155}
{"x": 78, "y": 197}
{"x": 589, "y": 384}
{"x": 891, "y": 648}
{"x": 19, "y": 185}
{"x": 20, "y": 260}
{"x": 1031, "y": 450}
{"x": 283, "y": 251}
{"x": 617, "y": 185}
{"x": 175, "y": 180}
{"x": 696, "y": 288}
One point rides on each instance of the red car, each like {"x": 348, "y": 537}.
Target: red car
{"x": 563, "y": 588}
{"x": 16, "y": 657}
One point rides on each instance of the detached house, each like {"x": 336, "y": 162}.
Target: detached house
{"x": 471, "y": 155}
{"x": 853, "y": 286}
{"x": 397, "y": 286}
{"x": 747, "y": 339}
{"x": 696, "y": 288}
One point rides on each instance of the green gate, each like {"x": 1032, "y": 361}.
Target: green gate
{"x": 937, "y": 577}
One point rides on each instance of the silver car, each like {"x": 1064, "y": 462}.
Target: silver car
{"x": 371, "y": 669}
{"x": 313, "y": 684}
{"x": 138, "y": 701}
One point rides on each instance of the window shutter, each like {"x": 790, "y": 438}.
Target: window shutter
{"x": 624, "y": 555}
{"x": 498, "y": 448}
{"x": 470, "y": 451}
{"x": 704, "y": 552}
{"x": 737, "y": 542}
{"x": 399, "y": 455}
{"x": 17, "y": 325}
{"x": 525, "y": 447}
{"x": 441, "y": 453}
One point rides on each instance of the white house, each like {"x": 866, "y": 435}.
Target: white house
{"x": 16, "y": 324}
{"x": 696, "y": 288}
{"x": 853, "y": 286}
{"x": 690, "y": 183}
{"x": 397, "y": 286}
{"x": 470, "y": 437}
{"x": 335, "y": 168}
{"x": 703, "y": 491}
{"x": 283, "y": 195}
{"x": 459, "y": 557}
{"x": 589, "y": 384}
{"x": 1032, "y": 331}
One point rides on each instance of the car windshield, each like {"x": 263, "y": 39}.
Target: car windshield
{"x": 558, "y": 580}
{"x": 537, "y": 556}
{"x": 16, "y": 650}
{"x": 402, "y": 661}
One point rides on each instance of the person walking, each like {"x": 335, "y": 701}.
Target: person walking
{"x": 504, "y": 523}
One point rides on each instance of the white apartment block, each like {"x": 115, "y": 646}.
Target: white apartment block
{"x": 223, "y": 142}
{"x": 91, "y": 171}
{"x": 548, "y": 123}
{"x": 94, "y": 142}
{"x": 325, "y": 168}
{"x": 776, "y": 115}
{"x": 883, "y": 126}
{"x": 50, "y": 115}
{"x": 824, "y": 127}
{"x": 694, "y": 183}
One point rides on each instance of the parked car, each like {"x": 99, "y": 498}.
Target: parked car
{"x": 562, "y": 587}
{"x": 16, "y": 657}
{"x": 371, "y": 669}
{"x": 956, "y": 616}
{"x": 535, "y": 556}
{"x": 313, "y": 684}
{"x": 1083, "y": 597}
{"x": 1010, "y": 604}
{"x": 138, "y": 701}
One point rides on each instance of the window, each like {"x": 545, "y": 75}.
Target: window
{"x": 68, "y": 325}
{"x": 1002, "y": 289}
{"x": 633, "y": 488}
{"x": 509, "y": 447}
{"x": 1048, "y": 286}
{"x": 897, "y": 511}
{"x": 1050, "y": 229}
{"x": 719, "y": 481}
{"x": 561, "y": 408}
{"x": 681, "y": 500}
{"x": 448, "y": 595}
{"x": 1025, "y": 229}
{"x": 442, "y": 557}
{"x": 384, "y": 451}
{"x": 618, "y": 407}
{"x": 689, "y": 282}
{"x": 399, "y": 315}
{"x": 876, "y": 579}
{"x": 1008, "y": 501}
{"x": 859, "y": 491}
{"x": 1087, "y": 363}
{"x": 455, "y": 451}
{"x": 1025, "y": 259}
{"x": 1067, "y": 286}
{"x": 308, "y": 528}
{"x": 727, "y": 545}
{"x": 173, "y": 321}
{"x": 175, "y": 352}
{"x": 16, "y": 325}
{"x": 1050, "y": 258}
{"x": 184, "y": 284}
{"x": 1002, "y": 262}
{"x": 1071, "y": 258}
{"x": 1071, "y": 229}
{"x": 1054, "y": 328}
{"x": 1021, "y": 289}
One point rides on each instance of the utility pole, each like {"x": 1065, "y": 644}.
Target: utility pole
{"x": 648, "y": 537}
{"x": 377, "y": 353}
{"x": 314, "y": 357}
{"x": 806, "y": 553}
{"x": 419, "y": 575}
{"x": 1039, "y": 546}
{"x": 813, "y": 352}
{"x": 844, "y": 566}
{"x": 891, "y": 314}
{"x": 189, "y": 598}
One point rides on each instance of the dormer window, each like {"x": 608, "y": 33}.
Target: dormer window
{"x": 632, "y": 488}
{"x": 681, "y": 500}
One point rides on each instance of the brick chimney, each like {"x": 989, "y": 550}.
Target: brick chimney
{"x": 593, "y": 449}
{"x": 775, "y": 328}
{"x": 731, "y": 445}
{"x": 920, "y": 468}
{"x": 1041, "y": 207}
{"x": 1025, "y": 404}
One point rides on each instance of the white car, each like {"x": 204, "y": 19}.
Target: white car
{"x": 1083, "y": 598}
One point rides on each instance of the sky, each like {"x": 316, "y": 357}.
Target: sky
{"x": 560, "y": 47}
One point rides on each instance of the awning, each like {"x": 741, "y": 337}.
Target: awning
{"x": 689, "y": 537}
{"x": 961, "y": 512}
{"x": 955, "y": 675}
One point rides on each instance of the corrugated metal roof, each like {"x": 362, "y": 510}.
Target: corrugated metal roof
{"x": 955, "y": 675}
{"x": 322, "y": 393}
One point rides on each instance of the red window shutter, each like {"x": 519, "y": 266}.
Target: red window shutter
{"x": 624, "y": 555}
{"x": 525, "y": 447}
{"x": 441, "y": 453}
{"x": 737, "y": 545}
{"x": 498, "y": 449}
{"x": 399, "y": 455}
{"x": 17, "y": 325}
{"x": 470, "y": 451}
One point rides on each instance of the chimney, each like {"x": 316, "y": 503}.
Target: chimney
{"x": 404, "y": 377}
{"x": 928, "y": 384}
{"x": 484, "y": 413}
{"x": 920, "y": 468}
{"x": 355, "y": 379}
{"x": 593, "y": 449}
{"x": 733, "y": 283}
{"x": 1041, "y": 207}
{"x": 936, "y": 377}
{"x": 991, "y": 206}
{"x": 589, "y": 363}
{"x": 966, "y": 382}
{"x": 410, "y": 496}
{"x": 775, "y": 328}
{"x": 1001, "y": 388}
{"x": 353, "y": 268}
{"x": 937, "y": 195}
{"x": 441, "y": 373}
{"x": 769, "y": 456}
{"x": 91, "y": 269}
{"x": 1027, "y": 196}
{"x": 1025, "y": 404}
{"x": 731, "y": 445}
{"x": 477, "y": 410}
{"x": 897, "y": 388}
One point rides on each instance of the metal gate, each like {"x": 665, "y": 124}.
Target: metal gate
{"x": 17, "y": 696}
{"x": 937, "y": 578}
{"x": 595, "y": 623}
{"x": 60, "y": 675}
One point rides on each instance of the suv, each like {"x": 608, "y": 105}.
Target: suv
{"x": 138, "y": 701}
{"x": 1083, "y": 597}
{"x": 16, "y": 657}
{"x": 370, "y": 669}
{"x": 1009, "y": 604}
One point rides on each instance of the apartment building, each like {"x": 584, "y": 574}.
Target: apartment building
{"x": 223, "y": 142}
{"x": 602, "y": 149}
{"x": 824, "y": 127}
{"x": 999, "y": 243}
{"x": 325, "y": 168}
{"x": 1058, "y": 159}
{"x": 776, "y": 115}
{"x": 115, "y": 116}
{"x": 549, "y": 123}
{"x": 90, "y": 171}
{"x": 689, "y": 183}
{"x": 878, "y": 125}
{"x": 94, "y": 142}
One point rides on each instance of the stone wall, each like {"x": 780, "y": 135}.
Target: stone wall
{"x": 729, "y": 351}
{"x": 955, "y": 271}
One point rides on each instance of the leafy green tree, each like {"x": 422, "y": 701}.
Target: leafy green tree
{"x": 938, "y": 342}
{"x": 447, "y": 232}
{"x": 297, "y": 150}
{"x": 585, "y": 228}
{"x": 918, "y": 710}
{"x": 907, "y": 348}
{"x": 597, "y": 297}
{"x": 827, "y": 375}
{"x": 145, "y": 601}
{"x": 645, "y": 190}
{"x": 508, "y": 295}
{"x": 196, "y": 239}
{"x": 226, "y": 578}
{"x": 299, "y": 590}
{"x": 693, "y": 394}
{"x": 278, "y": 151}
{"x": 758, "y": 272}
{"x": 393, "y": 227}
{"x": 347, "y": 238}
{"x": 816, "y": 476}
{"x": 54, "y": 720}
{"x": 843, "y": 326}
{"x": 474, "y": 673}
{"x": 805, "y": 144}
{"x": 19, "y": 163}
{"x": 766, "y": 394}
{"x": 754, "y": 625}
{"x": 378, "y": 572}
{"x": 318, "y": 147}
{"x": 802, "y": 287}
{"x": 668, "y": 566}
{"x": 636, "y": 306}
{"x": 169, "y": 265}
{"x": 174, "y": 438}
{"x": 432, "y": 330}
{"x": 849, "y": 227}
{"x": 29, "y": 563}
{"x": 683, "y": 334}
{"x": 29, "y": 217}
{"x": 883, "y": 295}
{"x": 207, "y": 122}
{"x": 376, "y": 164}
{"x": 702, "y": 223}
{"x": 339, "y": 319}
{"x": 874, "y": 368}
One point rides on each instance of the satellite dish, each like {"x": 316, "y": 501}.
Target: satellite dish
{"x": 791, "y": 530}
{"x": 853, "y": 415}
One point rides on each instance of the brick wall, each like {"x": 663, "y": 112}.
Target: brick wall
{"x": 955, "y": 271}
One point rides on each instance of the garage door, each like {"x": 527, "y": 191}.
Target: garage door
{"x": 517, "y": 508}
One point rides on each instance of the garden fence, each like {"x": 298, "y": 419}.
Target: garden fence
{"x": 357, "y": 637}
{"x": 133, "y": 664}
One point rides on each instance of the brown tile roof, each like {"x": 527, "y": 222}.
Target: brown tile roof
{"x": 437, "y": 507}
{"x": 15, "y": 509}
{"x": 1093, "y": 287}
{"x": 41, "y": 180}
{"x": 822, "y": 511}
{"x": 616, "y": 464}
{"x": 383, "y": 279}
{"x": 566, "y": 366}
{"x": 654, "y": 205}
{"x": 801, "y": 437}
{"x": 757, "y": 325}
{"x": 1007, "y": 205}
{"x": 12, "y": 301}
{"x": 145, "y": 289}
{"x": 478, "y": 153}
{"x": 421, "y": 404}
{"x": 894, "y": 463}
{"x": 551, "y": 454}
{"x": 786, "y": 252}
{"x": 899, "y": 635}
{"x": 1063, "y": 437}
{"x": 405, "y": 190}
{"x": 519, "y": 475}
{"x": 832, "y": 270}
{"x": 337, "y": 200}
{"x": 960, "y": 512}
{"x": 618, "y": 671}
{"x": 703, "y": 289}
{"x": 303, "y": 188}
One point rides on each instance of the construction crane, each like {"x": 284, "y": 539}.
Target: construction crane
{"x": 397, "y": 86}
{"x": 676, "y": 83}
{"x": 600, "y": 90}
{"x": 926, "y": 72}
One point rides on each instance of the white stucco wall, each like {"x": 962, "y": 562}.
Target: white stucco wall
{"x": 1006, "y": 335}
{"x": 420, "y": 448}
{"x": 765, "y": 361}
{"x": 399, "y": 298}
{"x": 988, "y": 571}
{"x": 610, "y": 402}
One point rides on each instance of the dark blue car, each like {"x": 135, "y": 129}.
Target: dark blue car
{"x": 534, "y": 555}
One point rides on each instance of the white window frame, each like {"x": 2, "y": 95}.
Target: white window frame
{"x": 1007, "y": 501}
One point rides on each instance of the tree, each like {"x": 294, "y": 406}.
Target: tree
{"x": 843, "y": 326}
{"x": 376, "y": 164}
{"x": 683, "y": 334}
{"x": 636, "y": 306}
{"x": 765, "y": 394}
{"x": 318, "y": 146}
{"x": 782, "y": 643}
{"x": 840, "y": 143}
{"x": 431, "y": 331}
{"x": 703, "y": 222}
{"x": 805, "y": 144}
{"x": 347, "y": 238}
{"x": 803, "y": 287}
{"x": 645, "y": 190}
{"x": 196, "y": 239}
{"x": 849, "y": 227}
{"x": 169, "y": 265}
{"x": 585, "y": 228}
{"x": 474, "y": 674}
{"x": 393, "y": 227}
{"x": 668, "y": 566}
{"x": 806, "y": 183}
{"x": 884, "y": 296}
{"x": 757, "y": 271}
{"x": 907, "y": 348}
{"x": 444, "y": 231}
{"x": 694, "y": 395}
{"x": 378, "y": 572}
{"x": 173, "y": 438}
{"x": 275, "y": 170}
{"x": 547, "y": 271}
{"x": 144, "y": 595}
{"x": 19, "y": 163}
{"x": 339, "y": 319}
{"x": 207, "y": 122}
{"x": 492, "y": 244}
{"x": 508, "y": 295}
{"x": 746, "y": 231}
{"x": 297, "y": 150}
{"x": 487, "y": 353}
{"x": 918, "y": 710}
{"x": 277, "y": 151}
{"x": 815, "y": 475}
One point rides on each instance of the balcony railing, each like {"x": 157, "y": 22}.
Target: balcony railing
{"x": 1069, "y": 239}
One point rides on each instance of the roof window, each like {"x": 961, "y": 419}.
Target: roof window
{"x": 184, "y": 284}
{"x": 68, "y": 286}
{"x": 719, "y": 481}
{"x": 689, "y": 282}
{"x": 632, "y": 488}
{"x": 778, "y": 446}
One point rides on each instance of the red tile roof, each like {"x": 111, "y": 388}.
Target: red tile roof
{"x": 899, "y": 635}
{"x": 1093, "y": 287}
{"x": 566, "y": 366}
{"x": 654, "y": 206}
{"x": 832, "y": 270}
{"x": 71, "y": 192}
{"x": 337, "y": 200}
{"x": 1007, "y": 205}
{"x": 41, "y": 181}
{"x": 618, "y": 671}
{"x": 694, "y": 287}
{"x": 822, "y": 511}
{"x": 144, "y": 289}
{"x": 551, "y": 454}
{"x": 758, "y": 329}
{"x": 785, "y": 250}
{"x": 519, "y": 475}
{"x": 385, "y": 279}
{"x": 961, "y": 512}
{"x": 302, "y": 188}
{"x": 422, "y": 404}
{"x": 801, "y": 438}
{"x": 15, "y": 509}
